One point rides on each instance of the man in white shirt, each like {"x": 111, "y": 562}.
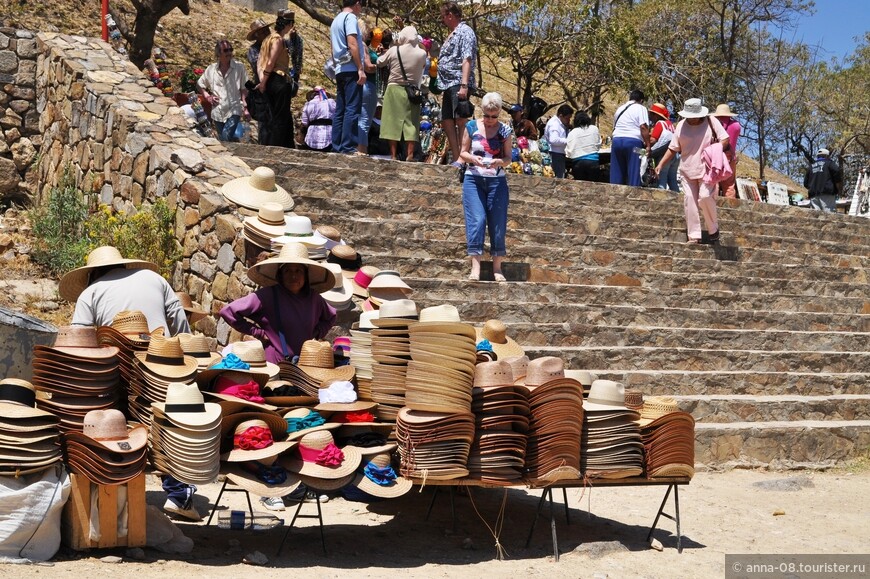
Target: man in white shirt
{"x": 222, "y": 85}
{"x": 630, "y": 132}
{"x": 556, "y": 134}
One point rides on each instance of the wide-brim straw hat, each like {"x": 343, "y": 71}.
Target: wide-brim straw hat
{"x": 264, "y": 273}
{"x": 362, "y": 279}
{"x": 273, "y": 420}
{"x": 256, "y": 26}
{"x": 165, "y": 357}
{"x": 185, "y": 406}
{"x": 73, "y": 283}
{"x": 196, "y": 346}
{"x": 723, "y": 110}
{"x": 693, "y": 109}
{"x": 655, "y": 407}
{"x": 253, "y": 353}
{"x": 258, "y": 188}
{"x": 273, "y": 450}
{"x": 108, "y": 429}
{"x": 496, "y": 333}
{"x": 605, "y": 395}
{"x": 318, "y": 440}
{"x": 341, "y": 294}
{"x": 301, "y": 413}
{"x": 394, "y": 489}
{"x": 242, "y": 478}
{"x": 317, "y": 361}
{"x": 270, "y": 220}
{"x": 542, "y": 370}
{"x": 133, "y": 325}
{"x": 193, "y": 309}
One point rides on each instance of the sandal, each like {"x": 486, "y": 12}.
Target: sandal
{"x": 499, "y": 277}
{"x": 474, "y": 277}
{"x": 693, "y": 241}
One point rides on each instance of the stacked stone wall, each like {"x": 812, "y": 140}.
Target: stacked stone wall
{"x": 19, "y": 120}
{"x": 126, "y": 144}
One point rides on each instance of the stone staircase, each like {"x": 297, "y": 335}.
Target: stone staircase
{"x": 762, "y": 337}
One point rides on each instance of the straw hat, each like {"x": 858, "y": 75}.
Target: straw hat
{"x": 253, "y": 354}
{"x": 298, "y": 229}
{"x": 133, "y": 324}
{"x": 693, "y": 109}
{"x": 723, "y": 110}
{"x": 317, "y": 361}
{"x": 488, "y": 374}
{"x": 496, "y": 333}
{"x": 265, "y": 273}
{"x": 393, "y": 488}
{"x": 315, "y": 443}
{"x": 196, "y": 346}
{"x": 18, "y": 400}
{"x": 273, "y": 448}
{"x": 258, "y": 188}
{"x": 519, "y": 367}
{"x": 655, "y": 407}
{"x": 347, "y": 258}
{"x": 166, "y": 358}
{"x": 661, "y": 110}
{"x": 185, "y": 405}
{"x": 396, "y": 313}
{"x": 341, "y": 294}
{"x": 387, "y": 285}
{"x": 544, "y": 369}
{"x": 74, "y": 282}
{"x": 605, "y": 395}
{"x": 108, "y": 428}
{"x": 442, "y": 313}
{"x": 256, "y": 26}
{"x": 269, "y": 221}
{"x": 193, "y": 309}
{"x": 362, "y": 279}
{"x": 302, "y": 413}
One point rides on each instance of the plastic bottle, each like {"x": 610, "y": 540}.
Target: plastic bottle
{"x": 115, "y": 34}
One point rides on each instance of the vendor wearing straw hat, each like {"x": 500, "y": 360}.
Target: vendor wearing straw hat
{"x": 288, "y": 309}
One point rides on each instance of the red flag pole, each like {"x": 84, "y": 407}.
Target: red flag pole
{"x": 103, "y": 19}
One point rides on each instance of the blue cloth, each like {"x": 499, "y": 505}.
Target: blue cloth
{"x": 668, "y": 175}
{"x": 624, "y": 162}
{"x": 367, "y": 111}
{"x": 178, "y": 492}
{"x": 227, "y": 131}
{"x": 310, "y": 420}
{"x": 558, "y": 163}
{"x": 484, "y": 345}
{"x": 348, "y": 104}
{"x": 485, "y": 201}
{"x": 231, "y": 362}
{"x": 380, "y": 476}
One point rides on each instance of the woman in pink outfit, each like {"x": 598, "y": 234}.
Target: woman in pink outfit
{"x": 692, "y": 135}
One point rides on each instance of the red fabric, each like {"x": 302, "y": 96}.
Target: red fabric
{"x": 249, "y": 391}
{"x": 345, "y": 417}
{"x": 330, "y": 455}
{"x": 253, "y": 438}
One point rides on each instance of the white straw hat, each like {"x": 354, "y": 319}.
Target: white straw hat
{"x": 256, "y": 189}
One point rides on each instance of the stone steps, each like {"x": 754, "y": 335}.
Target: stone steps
{"x": 744, "y": 408}
{"x": 579, "y": 335}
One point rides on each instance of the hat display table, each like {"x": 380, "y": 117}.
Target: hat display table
{"x": 79, "y": 516}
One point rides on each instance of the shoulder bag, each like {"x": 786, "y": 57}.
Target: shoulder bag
{"x": 415, "y": 95}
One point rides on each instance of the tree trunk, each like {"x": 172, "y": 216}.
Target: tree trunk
{"x": 140, "y": 39}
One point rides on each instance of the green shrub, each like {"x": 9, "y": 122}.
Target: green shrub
{"x": 59, "y": 228}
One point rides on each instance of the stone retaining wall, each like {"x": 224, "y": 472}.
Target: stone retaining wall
{"x": 19, "y": 120}
{"x": 126, "y": 143}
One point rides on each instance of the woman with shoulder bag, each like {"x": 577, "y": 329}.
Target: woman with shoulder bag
{"x": 273, "y": 69}
{"x": 400, "y": 117}
{"x": 288, "y": 309}
{"x": 486, "y": 148}
{"x": 694, "y": 134}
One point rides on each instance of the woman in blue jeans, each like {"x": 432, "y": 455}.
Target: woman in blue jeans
{"x": 486, "y": 148}
{"x": 370, "y": 88}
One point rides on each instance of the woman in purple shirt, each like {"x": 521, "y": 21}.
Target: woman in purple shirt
{"x": 288, "y": 309}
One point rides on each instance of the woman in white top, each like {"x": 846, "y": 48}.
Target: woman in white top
{"x": 630, "y": 132}
{"x": 584, "y": 140}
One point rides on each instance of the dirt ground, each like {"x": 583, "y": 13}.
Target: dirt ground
{"x": 732, "y": 512}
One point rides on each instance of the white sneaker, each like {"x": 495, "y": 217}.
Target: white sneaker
{"x": 190, "y": 513}
{"x": 272, "y": 503}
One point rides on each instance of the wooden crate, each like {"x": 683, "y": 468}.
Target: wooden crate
{"x": 77, "y": 514}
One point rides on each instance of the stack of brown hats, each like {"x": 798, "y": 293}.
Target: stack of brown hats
{"x": 76, "y": 375}
{"x": 556, "y": 406}
{"x": 269, "y": 222}
{"x": 501, "y": 413}
{"x": 251, "y": 443}
{"x": 391, "y": 352}
{"x": 361, "y": 352}
{"x": 441, "y": 370}
{"x": 316, "y": 364}
{"x": 668, "y": 438}
{"x": 320, "y": 464}
{"x": 612, "y": 446}
{"x": 186, "y": 434}
{"x": 162, "y": 364}
{"x": 29, "y": 438}
{"x": 129, "y": 333}
{"x": 434, "y": 445}
{"x": 107, "y": 452}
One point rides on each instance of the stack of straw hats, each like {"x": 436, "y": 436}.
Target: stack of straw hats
{"x": 434, "y": 445}
{"x": 441, "y": 370}
{"x": 340, "y": 296}
{"x": 129, "y": 333}
{"x": 186, "y": 434}
{"x": 298, "y": 230}
{"x": 75, "y": 376}
{"x": 269, "y": 222}
{"x": 612, "y": 446}
{"x": 251, "y": 443}
{"x": 391, "y": 352}
{"x": 162, "y": 364}
{"x": 361, "y": 352}
{"x": 385, "y": 286}
{"x": 320, "y": 464}
{"x": 556, "y": 407}
{"x": 29, "y": 438}
{"x": 316, "y": 364}
{"x": 107, "y": 451}
{"x": 501, "y": 413}
{"x": 668, "y": 438}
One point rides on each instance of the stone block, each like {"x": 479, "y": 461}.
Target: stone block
{"x": 212, "y": 203}
{"x": 191, "y": 191}
{"x": 140, "y": 168}
{"x": 227, "y": 227}
{"x": 191, "y": 216}
{"x": 9, "y": 176}
{"x": 209, "y": 245}
{"x": 23, "y": 153}
{"x": 226, "y": 258}
{"x": 8, "y": 61}
{"x": 219, "y": 287}
{"x": 202, "y": 265}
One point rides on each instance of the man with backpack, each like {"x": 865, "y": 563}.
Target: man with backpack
{"x": 824, "y": 181}
{"x": 350, "y": 76}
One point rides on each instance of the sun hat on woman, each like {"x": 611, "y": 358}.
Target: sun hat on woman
{"x": 693, "y": 109}
{"x": 265, "y": 273}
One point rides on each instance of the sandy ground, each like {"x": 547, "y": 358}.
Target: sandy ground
{"x": 720, "y": 513}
